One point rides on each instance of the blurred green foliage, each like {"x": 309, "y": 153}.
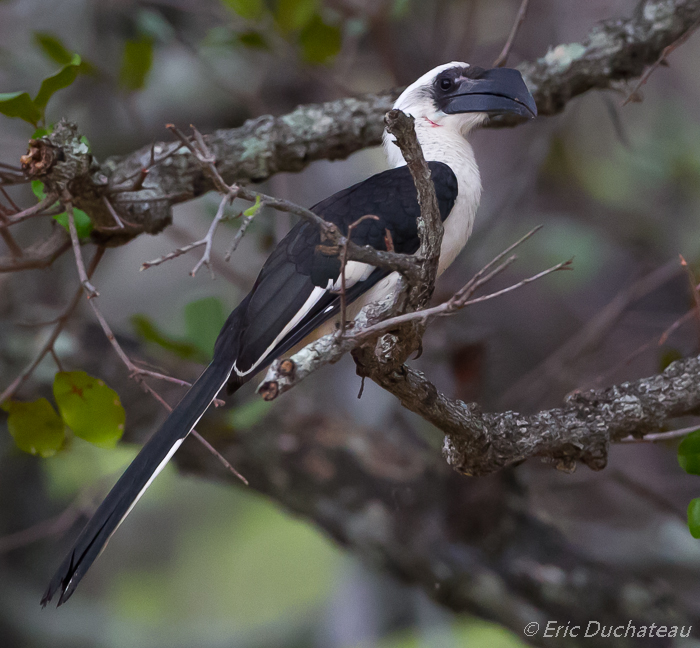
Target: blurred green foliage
{"x": 316, "y": 31}
{"x": 249, "y": 9}
{"x": 222, "y": 563}
{"x": 249, "y": 414}
{"x": 203, "y": 318}
{"x": 137, "y": 60}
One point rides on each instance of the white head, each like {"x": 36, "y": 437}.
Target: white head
{"x": 455, "y": 97}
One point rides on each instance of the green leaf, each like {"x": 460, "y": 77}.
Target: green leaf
{"x": 83, "y": 224}
{"x": 137, "y": 60}
{"x": 250, "y": 9}
{"x": 38, "y": 189}
{"x": 294, "y": 14}
{"x": 88, "y": 407}
{"x": 20, "y": 104}
{"x": 35, "y": 426}
{"x": 53, "y": 48}
{"x": 689, "y": 453}
{"x": 320, "y": 42}
{"x": 253, "y": 40}
{"x": 148, "y": 331}
{"x": 253, "y": 209}
{"x": 62, "y": 79}
{"x": 694, "y": 518}
{"x": 203, "y": 321}
{"x": 249, "y": 414}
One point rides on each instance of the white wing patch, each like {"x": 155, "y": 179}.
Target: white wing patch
{"x": 354, "y": 272}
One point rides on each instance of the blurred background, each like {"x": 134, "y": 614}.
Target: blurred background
{"x": 207, "y": 562}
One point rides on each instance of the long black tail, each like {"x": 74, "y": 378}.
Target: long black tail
{"x": 136, "y": 479}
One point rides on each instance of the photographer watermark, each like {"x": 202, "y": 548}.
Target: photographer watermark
{"x": 554, "y": 629}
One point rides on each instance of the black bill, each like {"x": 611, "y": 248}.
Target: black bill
{"x": 497, "y": 91}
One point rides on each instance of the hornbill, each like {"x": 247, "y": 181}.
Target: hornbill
{"x": 297, "y": 290}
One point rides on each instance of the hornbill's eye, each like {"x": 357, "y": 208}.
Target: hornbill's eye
{"x": 445, "y": 84}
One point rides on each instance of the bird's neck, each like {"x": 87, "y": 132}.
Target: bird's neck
{"x": 443, "y": 144}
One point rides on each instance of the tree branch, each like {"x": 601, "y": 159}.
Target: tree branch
{"x": 39, "y": 255}
{"x": 615, "y": 51}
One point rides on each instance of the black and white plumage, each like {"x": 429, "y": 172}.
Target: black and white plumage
{"x": 296, "y": 292}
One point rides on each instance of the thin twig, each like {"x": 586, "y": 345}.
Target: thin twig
{"x": 634, "y": 95}
{"x": 138, "y": 373}
{"x": 172, "y": 255}
{"x": 693, "y": 289}
{"x": 13, "y": 204}
{"x": 116, "y": 188}
{"x": 476, "y": 279}
{"x": 403, "y": 263}
{"x": 208, "y": 240}
{"x": 519, "y": 20}
{"x": 643, "y": 491}
{"x": 653, "y": 343}
{"x": 56, "y": 526}
{"x": 231, "y": 275}
{"x": 113, "y": 212}
{"x": 241, "y": 233}
{"x": 89, "y": 288}
{"x": 564, "y": 265}
{"x": 56, "y": 359}
{"x": 12, "y": 245}
{"x": 198, "y": 436}
{"x": 219, "y": 456}
{"x": 454, "y": 304}
{"x": 48, "y": 345}
{"x": 657, "y": 437}
{"x": 134, "y": 371}
{"x": 34, "y": 210}
{"x": 537, "y": 382}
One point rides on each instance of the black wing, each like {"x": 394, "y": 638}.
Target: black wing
{"x": 296, "y": 267}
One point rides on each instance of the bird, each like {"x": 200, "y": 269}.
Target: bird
{"x": 297, "y": 292}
